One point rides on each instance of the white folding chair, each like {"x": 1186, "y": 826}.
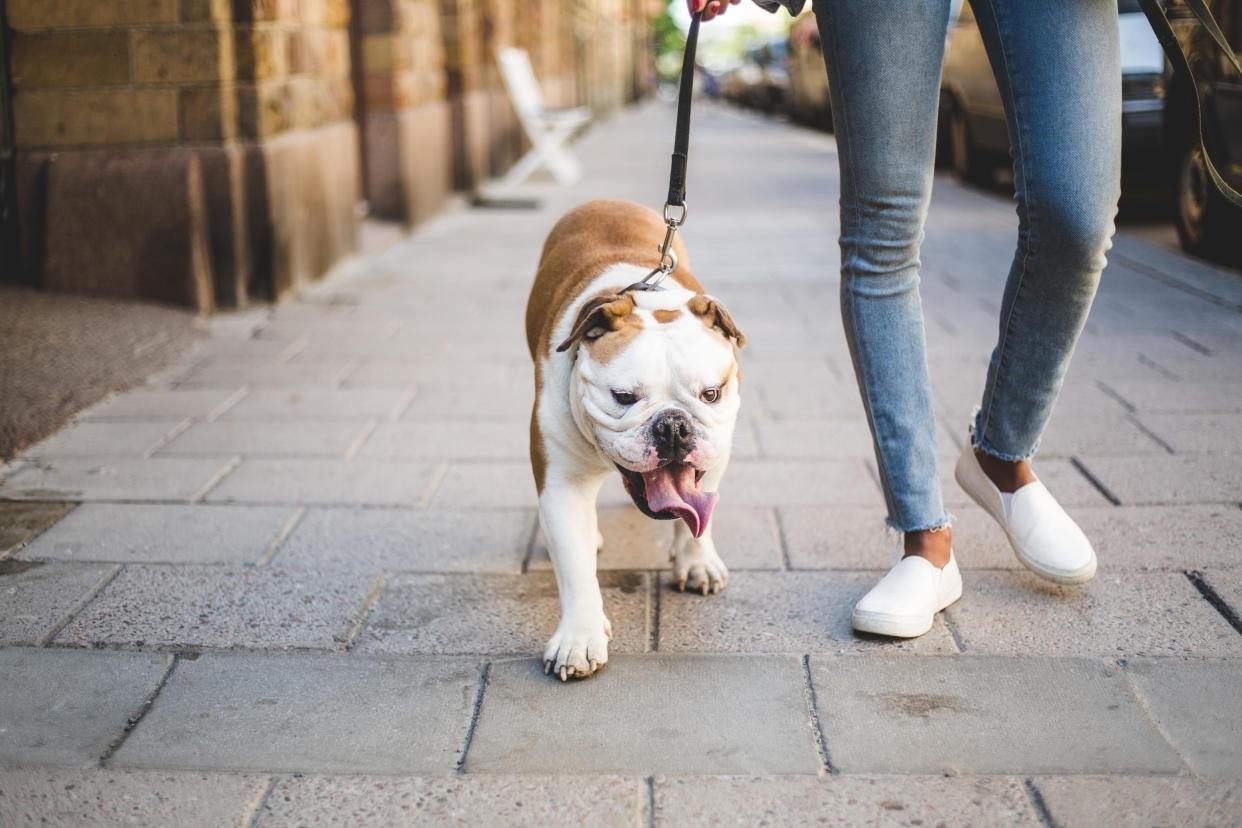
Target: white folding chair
{"x": 549, "y": 130}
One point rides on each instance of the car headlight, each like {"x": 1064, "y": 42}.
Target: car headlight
{"x": 1145, "y": 85}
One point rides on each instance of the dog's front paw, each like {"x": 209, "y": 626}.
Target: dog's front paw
{"x": 699, "y": 570}
{"x": 579, "y": 647}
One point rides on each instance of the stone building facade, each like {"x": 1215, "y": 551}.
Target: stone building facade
{"x": 214, "y": 153}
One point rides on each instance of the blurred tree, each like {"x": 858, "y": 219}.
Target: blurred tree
{"x": 670, "y": 42}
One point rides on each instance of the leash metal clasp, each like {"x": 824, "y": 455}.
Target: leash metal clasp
{"x": 668, "y": 258}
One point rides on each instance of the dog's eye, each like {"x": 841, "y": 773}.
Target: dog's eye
{"x": 624, "y": 397}
{"x": 710, "y": 395}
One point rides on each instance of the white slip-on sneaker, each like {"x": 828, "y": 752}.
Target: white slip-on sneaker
{"x": 906, "y": 600}
{"x": 1044, "y": 538}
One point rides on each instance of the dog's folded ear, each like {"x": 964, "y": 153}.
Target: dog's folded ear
{"x": 715, "y": 316}
{"x": 598, "y": 316}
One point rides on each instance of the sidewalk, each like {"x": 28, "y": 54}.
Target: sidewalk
{"x": 297, "y": 578}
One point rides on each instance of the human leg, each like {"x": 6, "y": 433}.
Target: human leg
{"x": 883, "y": 62}
{"x": 1057, "y": 66}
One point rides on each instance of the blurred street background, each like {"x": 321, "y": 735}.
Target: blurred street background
{"x": 268, "y": 541}
{"x": 211, "y": 155}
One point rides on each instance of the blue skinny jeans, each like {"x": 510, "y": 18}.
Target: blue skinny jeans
{"x": 1057, "y": 65}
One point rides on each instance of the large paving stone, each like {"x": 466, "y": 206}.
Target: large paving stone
{"x": 127, "y": 438}
{"x": 1189, "y": 366}
{"x": 161, "y": 533}
{"x": 58, "y": 796}
{"x": 842, "y": 800}
{"x": 278, "y": 350}
{"x": 784, "y": 372}
{"x": 486, "y": 485}
{"x": 799, "y": 400}
{"x": 447, "y": 440}
{"x": 1160, "y": 395}
{"x": 647, "y": 714}
{"x": 470, "y": 344}
{"x": 1186, "y": 433}
{"x": 400, "y": 539}
{"x": 327, "y": 482}
{"x": 792, "y": 483}
{"x": 468, "y": 400}
{"x": 78, "y": 478}
{"x": 496, "y": 614}
{"x": 306, "y": 403}
{"x": 1115, "y": 614}
{"x": 19, "y": 522}
{"x": 1091, "y": 801}
{"x": 851, "y": 537}
{"x": 1171, "y": 479}
{"x": 217, "y": 606}
{"x": 66, "y": 707}
{"x": 1226, "y": 582}
{"x": 34, "y": 597}
{"x": 1116, "y": 434}
{"x": 745, "y": 538}
{"x": 387, "y": 371}
{"x": 305, "y": 438}
{"x": 804, "y": 439}
{"x": 328, "y": 714}
{"x": 745, "y": 440}
{"x": 1165, "y": 537}
{"x": 150, "y": 403}
{"x": 780, "y": 612}
{"x": 1195, "y": 703}
{"x": 214, "y": 373}
{"x": 846, "y": 437}
{"x": 973, "y": 715}
{"x": 315, "y": 323}
{"x": 456, "y": 800}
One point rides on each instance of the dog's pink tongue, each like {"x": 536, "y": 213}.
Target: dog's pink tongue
{"x": 672, "y": 489}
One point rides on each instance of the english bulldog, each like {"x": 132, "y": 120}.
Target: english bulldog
{"x": 641, "y": 382}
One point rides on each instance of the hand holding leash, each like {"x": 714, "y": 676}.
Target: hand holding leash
{"x": 711, "y": 9}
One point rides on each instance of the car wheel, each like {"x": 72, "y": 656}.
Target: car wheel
{"x": 1205, "y": 221}
{"x": 967, "y": 160}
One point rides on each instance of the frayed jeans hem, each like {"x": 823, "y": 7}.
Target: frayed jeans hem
{"x": 940, "y": 525}
{"x": 982, "y": 445}
{"x": 1000, "y": 455}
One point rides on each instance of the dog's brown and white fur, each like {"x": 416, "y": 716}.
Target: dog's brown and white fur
{"x": 641, "y": 382}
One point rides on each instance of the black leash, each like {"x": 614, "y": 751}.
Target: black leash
{"x": 675, "y": 206}
{"x": 1159, "y": 19}
{"x": 681, "y": 138}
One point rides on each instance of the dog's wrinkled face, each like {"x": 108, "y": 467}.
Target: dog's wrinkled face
{"x": 655, "y": 387}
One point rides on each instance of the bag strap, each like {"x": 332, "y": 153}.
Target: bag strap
{"x": 1209, "y": 23}
{"x": 1159, "y": 20}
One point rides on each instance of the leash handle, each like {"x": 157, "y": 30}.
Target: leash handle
{"x": 681, "y": 138}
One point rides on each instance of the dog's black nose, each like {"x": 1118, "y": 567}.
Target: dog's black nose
{"x": 674, "y": 435}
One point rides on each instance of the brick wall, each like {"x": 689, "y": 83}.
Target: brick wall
{"x": 213, "y": 117}
{"x": 407, "y": 159}
{"x": 212, "y": 153}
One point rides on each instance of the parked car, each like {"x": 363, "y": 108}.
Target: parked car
{"x": 761, "y": 81}
{"x": 973, "y": 137}
{"x": 808, "y": 100}
{"x": 1207, "y": 224}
